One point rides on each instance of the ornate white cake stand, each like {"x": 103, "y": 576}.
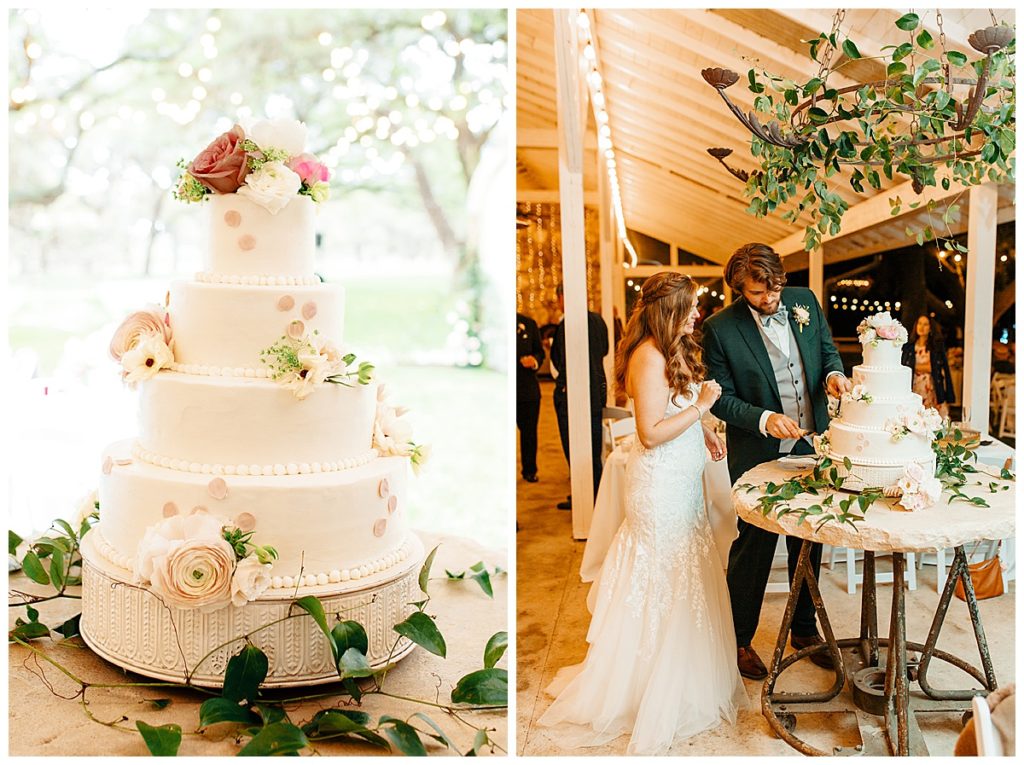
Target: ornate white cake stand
{"x": 129, "y": 626}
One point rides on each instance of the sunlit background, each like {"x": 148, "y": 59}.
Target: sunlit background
{"x": 408, "y": 109}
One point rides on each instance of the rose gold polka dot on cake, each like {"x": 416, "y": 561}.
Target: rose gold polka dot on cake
{"x": 170, "y": 509}
{"x": 380, "y": 527}
{"x": 309, "y": 310}
{"x": 233, "y": 218}
{"x": 296, "y": 329}
{"x": 286, "y": 303}
{"x": 218, "y": 488}
{"x": 246, "y": 241}
{"x": 108, "y": 465}
{"x": 392, "y": 504}
{"x": 383, "y": 489}
{"x": 245, "y": 521}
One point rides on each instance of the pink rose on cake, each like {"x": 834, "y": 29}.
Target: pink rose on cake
{"x": 920, "y": 490}
{"x": 309, "y": 169}
{"x": 187, "y": 562}
{"x": 223, "y": 165}
{"x": 887, "y": 332}
{"x": 272, "y": 186}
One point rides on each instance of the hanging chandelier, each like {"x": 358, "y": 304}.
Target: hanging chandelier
{"x": 930, "y": 112}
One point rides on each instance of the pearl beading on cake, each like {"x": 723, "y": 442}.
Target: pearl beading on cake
{"x": 867, "y": 461}
{"x": 250, "y": 280}
{"x": 334, "y": 576}
{"x": 342, "y": 575}
{"x": 208, "y": 371}
{"x": 292, "y": 468}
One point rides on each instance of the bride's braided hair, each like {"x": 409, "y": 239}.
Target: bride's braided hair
{"x": 666, "y": 300}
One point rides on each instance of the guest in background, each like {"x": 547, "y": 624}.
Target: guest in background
{"x": 597, "y": 332}
{"x": 530, "y": 355}
{"x": 925, "y": 353}
{"x": 1002, "y": 361}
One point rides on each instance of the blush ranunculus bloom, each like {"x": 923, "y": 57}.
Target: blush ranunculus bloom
{"x": 887, "y": 331}
{"x": 222, "y": 166}
{"x": 309, "y": 169}
{"x": 138, "y": 326}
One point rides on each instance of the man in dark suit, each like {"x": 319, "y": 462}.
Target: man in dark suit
{"x": 775, "y": 364}
{"x": 597, "y": 332}
{"x": 529, "y": 355}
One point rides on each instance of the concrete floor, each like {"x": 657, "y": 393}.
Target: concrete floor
{"x": 552, "y": 619}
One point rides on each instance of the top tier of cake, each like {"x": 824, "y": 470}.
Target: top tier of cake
{"x": 250, "y": 245}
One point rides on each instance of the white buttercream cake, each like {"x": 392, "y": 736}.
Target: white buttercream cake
{"x": 882, "y": 426}
{"x": 250, "y": 414}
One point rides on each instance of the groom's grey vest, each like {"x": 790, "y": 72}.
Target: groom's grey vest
{"x": 789, "y": 375}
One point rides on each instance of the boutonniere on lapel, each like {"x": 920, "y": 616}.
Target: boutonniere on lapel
{"x": 802, "y": 316}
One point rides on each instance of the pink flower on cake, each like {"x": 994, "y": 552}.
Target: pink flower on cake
{"x": 222, "y": 166}
{"x": 187, "y": 562}
{"x": 146, "y": 359}
{"x": 272, "y": 187}
{"x": 150, "y": 321}
{"x": 309, "y": 169}
{"x": 251, "y": 580}
{"x": 887, "y": 332}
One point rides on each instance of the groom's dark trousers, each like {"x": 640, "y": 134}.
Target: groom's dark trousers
{"x": 750, "y": 563}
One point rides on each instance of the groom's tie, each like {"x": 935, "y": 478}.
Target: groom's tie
{"x": 779, "y": 316}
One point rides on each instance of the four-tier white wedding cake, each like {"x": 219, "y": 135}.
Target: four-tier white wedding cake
{"x": 269, "y": 465}
{"x": 883, "y": 427}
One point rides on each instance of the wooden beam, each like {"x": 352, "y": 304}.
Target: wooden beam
{"x": 552, "y": 197}
{"x": 697, "y": 272}
{"x": 981, "y": 273}
{"x": 548, "y": 139}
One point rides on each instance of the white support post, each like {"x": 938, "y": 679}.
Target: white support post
{"x": 981, "y": 274}
{"x": 816, "y": 275}
{"x": 606, "y": 252}
{"x": 571, "y": 95}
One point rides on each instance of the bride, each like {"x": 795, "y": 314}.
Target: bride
{"x": 662, "y": 658}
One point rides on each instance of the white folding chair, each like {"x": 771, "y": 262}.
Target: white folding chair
{"x": 619, "y": 429}
{"x": 853, "y": 578}
{"x": 986, "y": 737}
{"x": 1008, "y": 412}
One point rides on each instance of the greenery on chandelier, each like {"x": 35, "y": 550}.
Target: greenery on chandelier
{"x": 264, "y": 722}
{"x": 899, "y": 126}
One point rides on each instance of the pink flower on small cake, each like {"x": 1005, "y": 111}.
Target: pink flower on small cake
{"x": 887, "y": 332}
{"x": 309, "y": 169}
{"x": 222, "y": 166}
{"x": 881, "y": 326}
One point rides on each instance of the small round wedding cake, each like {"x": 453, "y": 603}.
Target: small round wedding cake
{"x": 269, "y": 463}
{"x": 882, "y": 426}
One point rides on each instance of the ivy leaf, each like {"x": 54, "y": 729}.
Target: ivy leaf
{"x": 482, "y": 578}
{"x": 895, "y": 68}
{"x": 159, "y": 703}
{"x": 850, "y": 49}
{"x": 70, "y": 627}
{"x": 425, "y": 569}
{"x": 350, "y": 634}
{"x": 315, "y": 609}
{"x": 422, "y": 630}
{"x": 246, "y": 670}
{"x": 67, "y": 529}
{"x": 902, "y": 51}
{"x": 480, "y": 740}
{"x": 29, "y": 630}
{"x": 57, "y": 572}
{"x": 13, "y": 540}
{"x": 485, "y": 687}
{"x": 219, "y": 709}
{"x": 812, "y": 86}
{"x": 162, "y": 741}
{"x": 342, "y": 723}
{"x": 270, "y": 713}
{"x": 404, "y": 737}
{"x": 34, "y": 569}
{"x": 908, "y": 22}
{"x": 956, "y": 58}
{"x": 276, "y": 739}
{"x": 495, "y": 648}
{"x": 440, "y": 737}
{"x": 353, "y": 663}
{"x": 925, "y": 40}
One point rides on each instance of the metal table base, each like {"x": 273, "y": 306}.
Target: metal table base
{"x": 886, "y": 719}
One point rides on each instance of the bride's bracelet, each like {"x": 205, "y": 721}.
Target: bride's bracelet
{"x": 700, "y": 412}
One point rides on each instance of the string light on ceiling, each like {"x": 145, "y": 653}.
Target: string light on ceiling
{"x": 595, "y": 83}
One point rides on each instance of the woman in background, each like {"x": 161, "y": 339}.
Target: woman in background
{"x": 925, "y": 353}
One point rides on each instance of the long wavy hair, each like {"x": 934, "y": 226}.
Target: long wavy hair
{"x": 666, "y": 300}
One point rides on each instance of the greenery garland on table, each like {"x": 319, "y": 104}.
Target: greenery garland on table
{"x": 954, "y": 454}
{"x": 55, "y": 560}
{"x": 799, "y": 174}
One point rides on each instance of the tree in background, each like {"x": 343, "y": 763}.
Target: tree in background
{"x": 399, "y": 104}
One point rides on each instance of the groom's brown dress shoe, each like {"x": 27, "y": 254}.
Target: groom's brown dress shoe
{"x": 750, "y": 664}
{"x": 821, "y": 658}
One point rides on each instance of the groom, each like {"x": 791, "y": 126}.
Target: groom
{"x": 774, "y": 362}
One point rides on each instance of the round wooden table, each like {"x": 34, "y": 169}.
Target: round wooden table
{"x": 889, "y": 530}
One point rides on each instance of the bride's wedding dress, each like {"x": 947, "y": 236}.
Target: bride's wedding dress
{"x": 662, "y": 658}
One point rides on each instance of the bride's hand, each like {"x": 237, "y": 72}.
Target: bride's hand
{"x": 709, "y": 393}
{"x": 714, "y": 444}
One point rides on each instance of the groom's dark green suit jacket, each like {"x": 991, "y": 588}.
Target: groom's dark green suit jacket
{"x": 735, "y": 357}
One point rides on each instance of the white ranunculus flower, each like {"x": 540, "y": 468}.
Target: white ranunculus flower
{"x": 146, "y": 359}
{"x": 933, "y": 419}
{"x": 251, "y": 580}
{"x": 931, "y": 488}
{"x": 286, "y": 135}
{"x": 391, "y": 434}
{"x": 272, "y": 187}
{"x": 916, "y": 424}
{"x": 86, "y": 507}
{"x": 187, "y": 562}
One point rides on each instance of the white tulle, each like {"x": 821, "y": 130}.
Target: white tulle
{"x": 662, "y": 658}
